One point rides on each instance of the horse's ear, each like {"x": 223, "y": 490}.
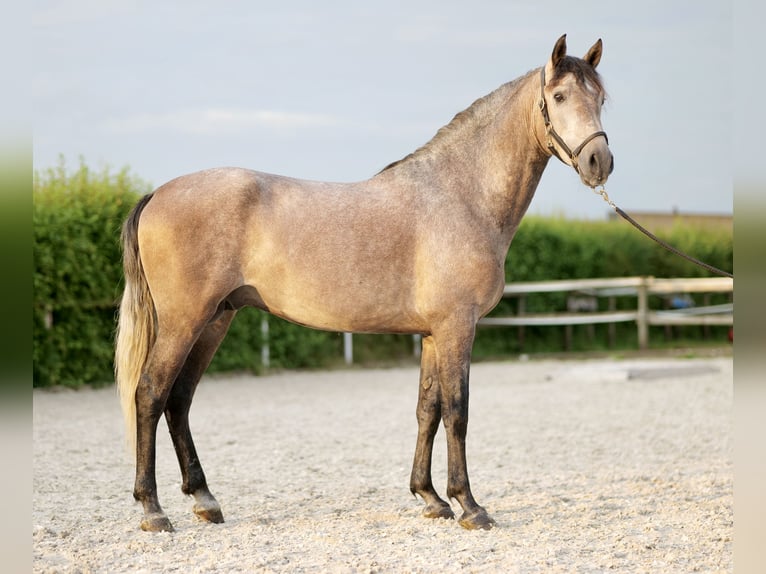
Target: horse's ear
{"x": 559, "y": 50}
{"x": 593, "y": 57}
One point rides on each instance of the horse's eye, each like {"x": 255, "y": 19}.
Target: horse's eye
{"x": 559, "y": 97}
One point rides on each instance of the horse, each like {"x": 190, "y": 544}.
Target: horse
{"x": 419, "y": 248}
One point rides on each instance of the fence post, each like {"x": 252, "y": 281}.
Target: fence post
{"x": 348, "y": 348}
{"x": 521, "y": 307}
{"x": 417, "y": 344}
{"x": 643, "y": 314}
{"x": 265, "y": 350}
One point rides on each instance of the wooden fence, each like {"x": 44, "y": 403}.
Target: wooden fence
{"x": 588, "y": 290}
{"x": 584, "y": 294}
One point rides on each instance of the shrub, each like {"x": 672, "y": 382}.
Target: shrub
{"x": 77, "y": 271}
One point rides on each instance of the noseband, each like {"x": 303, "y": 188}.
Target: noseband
{"x": 551, "y": 132}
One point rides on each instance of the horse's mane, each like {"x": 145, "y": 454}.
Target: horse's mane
{"x": 479, "y": 112}
{"x": 482, "y": 110}
{"x": 581, "y": 70}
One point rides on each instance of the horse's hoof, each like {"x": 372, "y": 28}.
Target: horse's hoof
{"x": 156, "y": 523}
{"x": 477, "y": 520}
{"x": 209, "y": 513}
{"x": 438, "y": 511}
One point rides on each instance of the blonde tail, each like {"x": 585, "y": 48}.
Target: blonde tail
{"x": 136, "y": 327}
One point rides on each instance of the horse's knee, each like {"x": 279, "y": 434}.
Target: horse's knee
{"x": 455, "y": 419}
{"x": 458, "y": 425}
{"x": 428, "y": 413}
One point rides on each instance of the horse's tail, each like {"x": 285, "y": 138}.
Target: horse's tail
{"x": 136, "y": 328}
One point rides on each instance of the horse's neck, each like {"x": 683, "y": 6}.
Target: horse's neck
{"x": 489, "y": 154}
{"x": 514, "y": 159}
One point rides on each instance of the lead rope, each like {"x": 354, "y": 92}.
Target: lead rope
{"x": 650, "y": 235}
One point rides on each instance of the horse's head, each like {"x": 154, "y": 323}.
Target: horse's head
{"x": 571, "y": 96}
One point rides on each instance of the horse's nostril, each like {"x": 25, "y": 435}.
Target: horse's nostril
{"x": 594, "y": 161}
{"x": 611, "y": 165}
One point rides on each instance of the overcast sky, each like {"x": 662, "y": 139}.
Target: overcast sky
{"x": 336, "y": 90}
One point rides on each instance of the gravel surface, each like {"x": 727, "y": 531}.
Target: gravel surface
{"x": 587, "y": 466}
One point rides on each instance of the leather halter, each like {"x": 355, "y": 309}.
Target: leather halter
{"x": 551, "y": 132}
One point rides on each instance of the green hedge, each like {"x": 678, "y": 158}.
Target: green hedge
{"x": 77, "y": 271}
{"x": 77, "y": 280}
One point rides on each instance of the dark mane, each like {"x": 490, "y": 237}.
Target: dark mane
{"x": 478, "y": 113}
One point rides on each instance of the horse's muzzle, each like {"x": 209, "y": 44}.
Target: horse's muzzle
{"x": 596, "y": 163}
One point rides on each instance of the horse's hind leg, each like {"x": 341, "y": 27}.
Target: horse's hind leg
{"x": 429, "y": 416}
{"x": 167, "y": 357}
{"x": 177, "y": 417}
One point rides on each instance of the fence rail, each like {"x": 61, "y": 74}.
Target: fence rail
{"x": 639, "y": 287}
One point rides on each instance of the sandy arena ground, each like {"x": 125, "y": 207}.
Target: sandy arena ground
{"x": 587, "y": 466}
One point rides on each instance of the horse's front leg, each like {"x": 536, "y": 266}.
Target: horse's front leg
{"x": 453, "y": 359}
{"x": 429, "y": 416}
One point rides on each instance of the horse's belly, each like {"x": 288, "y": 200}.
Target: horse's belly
{"x": 359, "y": 298}
{"x": 359, "y": 311}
